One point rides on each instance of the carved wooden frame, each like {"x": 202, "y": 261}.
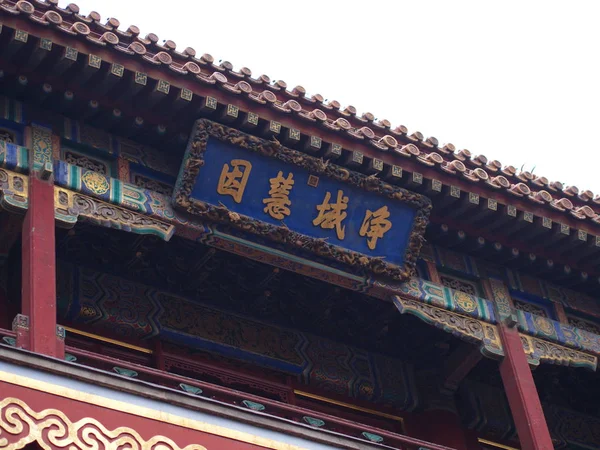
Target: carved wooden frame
{"x": 194, "y": 160}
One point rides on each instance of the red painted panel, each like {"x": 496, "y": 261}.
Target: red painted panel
{"x": 110, "y": 419}
{"x": 441, "y": 427}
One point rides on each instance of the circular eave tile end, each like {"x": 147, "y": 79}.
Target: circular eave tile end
{"x": 25, "y": 7}
{"x": 268, "y": 96}
{"x": 80, "y": 28}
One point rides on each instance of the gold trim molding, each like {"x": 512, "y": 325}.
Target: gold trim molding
{"x": 141, "y": 411}
{"x": 52, "y": 429}
{"x": 349, "y": 406}
{"x": 108, "y": 340}
{"x": 495, "y": 444}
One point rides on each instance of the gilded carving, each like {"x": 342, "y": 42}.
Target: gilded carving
{"x": 42, "y": 146}
{"x": 86, "y": 162}
{"x": 195, "y": 160}
{"x": 14, "y": 189}
{"x": 278, "y": 203}
{"x": 51, "y": 428}
{"x": 465, "y": 301}
{"x": 73, "y": 204}
{"x": 463, "y": 327}
{"x": 544, "y": 325}
{"x": 375, "y": 225}
{"x": 501, "y": 299}
{"x": 95, "y": 182}
{"x": 539, "y": 350}
{"x": 233, "y": 180}
{"x": 332, "y": 214}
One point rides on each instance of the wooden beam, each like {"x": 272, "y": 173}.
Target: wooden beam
{"x": 458, "y": 365}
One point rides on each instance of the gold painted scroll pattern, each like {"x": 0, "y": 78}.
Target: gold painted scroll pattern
{"x": 486, "y": 335}
{"x": 463, "y": 327}
{"x": 538, "y": 351}
{"x": 14, "y": 189}
{"x": 69, "y": 206}
{"x": 51, "y": 428}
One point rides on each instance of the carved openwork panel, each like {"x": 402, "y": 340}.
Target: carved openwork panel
{"x": 461, "y": 284}
{"x": 7, "y": 136}
{"x": 583, "y": 324}
{"x": 87, "y": 161}
{"x": 530, "y": 308}
{"x": 152, "y": 184}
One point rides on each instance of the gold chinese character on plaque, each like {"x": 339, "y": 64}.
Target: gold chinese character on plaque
{"x": 233, "y": 181}
{"x": 375, "y": 225}
{"x": 279, "y": 201}
{"x": 331, "y": 215}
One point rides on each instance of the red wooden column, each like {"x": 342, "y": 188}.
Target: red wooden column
{"x": 518, "y": 381}
{"x": 36, "y": 326}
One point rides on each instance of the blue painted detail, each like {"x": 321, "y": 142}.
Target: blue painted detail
{"x": 304, "y": 201}
{"x": 230, "y": 351}
{"x": 16, "y": 158}
{"x": 136, "y": 168}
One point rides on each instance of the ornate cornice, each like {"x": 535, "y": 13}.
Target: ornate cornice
{"x": 466, "y": 328}
{"x": 14, "y": 189}
{"x": 73, "y": 205}
{"x": 538, "y": 351}
{"x": 487, "y": 337}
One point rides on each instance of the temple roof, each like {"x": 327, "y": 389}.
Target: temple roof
{"x": 390, "y": 143}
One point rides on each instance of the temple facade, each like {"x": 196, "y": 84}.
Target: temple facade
{"x": 193, "y": 256}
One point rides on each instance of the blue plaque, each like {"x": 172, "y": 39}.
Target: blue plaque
{"x": 263, "y": 188}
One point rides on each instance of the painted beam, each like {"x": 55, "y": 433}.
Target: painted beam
{"x": 482, "y": 334}
{"x": 486, "y": 336}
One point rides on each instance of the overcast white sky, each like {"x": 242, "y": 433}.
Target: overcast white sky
{"x": 517, "y": 81}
